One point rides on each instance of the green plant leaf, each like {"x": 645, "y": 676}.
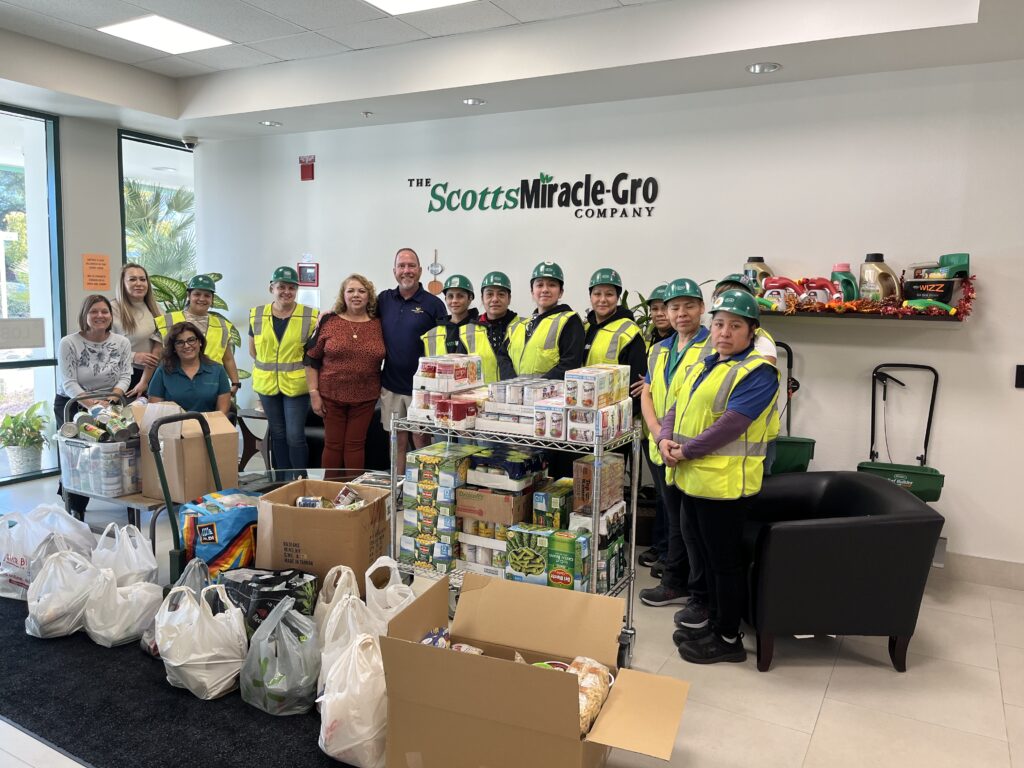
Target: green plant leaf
{"x": 244, "y": 374}
{"x": 176, "y": 289}
{"x": 215, "y": 276}
{"x": 218, "y": 302}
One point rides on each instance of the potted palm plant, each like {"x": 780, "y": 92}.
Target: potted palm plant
{"x": 22, "y": 435}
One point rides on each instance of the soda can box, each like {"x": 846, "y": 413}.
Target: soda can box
{"x": 586, "y": 425}
{"x": 620, "y": 380}
{"x": 589, "y": 387}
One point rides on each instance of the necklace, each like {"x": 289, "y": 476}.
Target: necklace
{"x": 351, "y": 327}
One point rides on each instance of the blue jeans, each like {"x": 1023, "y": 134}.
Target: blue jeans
{"x": 286, "y": 420}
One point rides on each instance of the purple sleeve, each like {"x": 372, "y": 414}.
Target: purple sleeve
{"x": 730, "y": 426}
{"x": 668, "y": 421}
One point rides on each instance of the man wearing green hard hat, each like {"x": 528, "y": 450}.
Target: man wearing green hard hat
{"x": 278, "y": 333}
{"x": 487, "y": 336}
{"x": 550, "y": 341}
{"x": 612, "y": 335}
{"x": 200, "y": 298}
{"x": 444, "y": 339}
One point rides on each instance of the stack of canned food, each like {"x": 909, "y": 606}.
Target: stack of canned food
{"x": 99, "y": 451}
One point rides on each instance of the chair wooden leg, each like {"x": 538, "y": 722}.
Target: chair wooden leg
{"x": 765, "y": 650}
{"x": 898, "y": 645}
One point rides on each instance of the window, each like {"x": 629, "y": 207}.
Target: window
{"x": 29, "y": 278}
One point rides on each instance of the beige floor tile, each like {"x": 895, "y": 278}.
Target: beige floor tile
{"x": 945, "y": 594}
{"x": 952, "y": 636}
{"x": 1015, "y": 734}
{"x": 933, "y": 690}
{"x": 713, "y": 738}
{"x": 1009, "y": 623}
{"x": 1011, "y": 673}
{"x": 30, "y": 751}
{"x": 7, "y": 760}
{"x": 1003, "y": 595}
{"x": 849, "y": 736}
{"x": 789, "y": 694}
{"x": 654, "y": 646}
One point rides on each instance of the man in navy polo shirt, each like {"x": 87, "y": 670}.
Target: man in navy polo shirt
{"x": 406, "y": 313}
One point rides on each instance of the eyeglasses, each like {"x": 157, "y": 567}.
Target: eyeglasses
{"x": 186, "y": 342}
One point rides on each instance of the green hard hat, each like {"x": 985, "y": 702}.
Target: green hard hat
{"x": 658, "y": 294}
{"x": 461, "y": 282}
{"x": 202, "y": 283}
{"x": 683, "y": 288}
{"x": 548, "y": 269}
{"x": 285, "y": 275}
{"x": 496, "y": 280}
{"x": 606, "y": 276}
{"x": 738, "y": 303}
{"x": 737, "y": 279}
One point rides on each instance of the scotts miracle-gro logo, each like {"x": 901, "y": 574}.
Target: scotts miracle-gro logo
{"x": 624, "y": 198}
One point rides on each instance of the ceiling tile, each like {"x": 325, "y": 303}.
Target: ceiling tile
{"x": 305, "y": 46}
{"x": 318, "y": 14}
{"x": 371, "y": 34}
{"x": 231, "y": 19}
{"x": 95, "y": 13}
{"x": 639, "y": 2}
{"x": 26, "y": 22}
{"x": 230, "y": 57}
{"x": 455, "y": 19}
{"x": 537, "y": 10}
{"x": 174, "y": 66}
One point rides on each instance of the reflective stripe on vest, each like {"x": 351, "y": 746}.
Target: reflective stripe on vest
{"x": 664, "y": 393}
{"x": 278, "y": 366}
{"x": 475, "y": 340}
{"x": 609, "y": 339}
{"x": 538, "y": 354}
{"x": 435, "y": 341}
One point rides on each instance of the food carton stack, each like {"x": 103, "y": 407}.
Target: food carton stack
{"x": 509, "y": 407}
{"x": 538, "y": 554}
{"x": 597, "y": 403}
{"x": 612, "y": 556}
{"x": 552, "y": 503}
{"x": 448, "y": 381}
{"x": 613, "y": 475}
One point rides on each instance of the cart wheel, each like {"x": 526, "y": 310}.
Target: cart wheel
{"x": 626, "y": 639}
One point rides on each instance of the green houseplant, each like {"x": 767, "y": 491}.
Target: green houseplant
{"x": 23, "y": 436}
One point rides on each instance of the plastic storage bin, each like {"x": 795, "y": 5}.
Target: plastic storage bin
{"x": 104, "y": 469}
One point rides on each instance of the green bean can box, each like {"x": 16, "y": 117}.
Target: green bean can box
{"x": 537, "y": 554}
{"x": 568, "y": 558}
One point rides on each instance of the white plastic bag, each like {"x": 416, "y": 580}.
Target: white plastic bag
{"x": 280, "y": 671}
{"x": 354, "y": 707}
{"x": 22, "y": 534}
{"x": 127, "y": 553}
{"x": 57, "y": 598}
{"x": 340, "y": 580}
{"x": 387, "y": 602}
{"x": 53, "y": 542}
{"x": 196, "y": 576}
{"x": 116, "y": 615}
{"x": 202, "y": 649}
{"x": 349, "y": 618}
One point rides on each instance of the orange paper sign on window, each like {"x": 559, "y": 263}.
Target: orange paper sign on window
{"x": 95, "y": 272}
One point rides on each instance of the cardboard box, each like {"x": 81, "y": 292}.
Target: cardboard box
{"x": 555, "y": 558}
{"x": 498, "y": 482}
{"x": 549, "y": 418}
{"x": 586, "y": 425}
{"x": 589, "y": 387}
{"x": 484, "y": 424}
{"x": 315, "y": 540}
{"x": 613, "y": 476}
{"x": 494, "y": 506}
{"x": 186, "y": 463}
{"x": 513, "y": 715}
{"x": 556, "y": 496}
{"x": 455, "y": 413}
{"x": 444, "y": 464}
{"x": 620, "y": 380}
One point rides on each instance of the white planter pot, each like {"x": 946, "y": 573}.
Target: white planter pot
{"x": 24, "y": 460}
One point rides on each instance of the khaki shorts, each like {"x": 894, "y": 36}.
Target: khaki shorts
{"x": 393, "y": 403}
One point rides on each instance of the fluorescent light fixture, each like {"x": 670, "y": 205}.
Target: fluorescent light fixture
{"x": 474, "y": 102}
{"x": 396, "y": 7}
{"x": 764, "y": 68}
{"x": 271, "y": 123}
{"x": 164, "y": 35}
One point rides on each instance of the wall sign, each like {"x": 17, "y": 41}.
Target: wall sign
{"x": 95, "y": 272}
{"x": 306, "y": 163}
{"x": 309, "y": 274}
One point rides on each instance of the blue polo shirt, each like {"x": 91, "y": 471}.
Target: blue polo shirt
{"x": 752, "y": 395}
{"x": 675, "y": 357}
{"x": 196, "y": 394}
{"x": 403, "y": 321}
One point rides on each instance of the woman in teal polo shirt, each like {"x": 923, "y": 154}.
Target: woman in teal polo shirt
{"x": 186, "y": 376}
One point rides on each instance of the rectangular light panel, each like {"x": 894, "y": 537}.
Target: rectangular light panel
{"x": 396, "y": 7}
{"x": 164, "y": 35}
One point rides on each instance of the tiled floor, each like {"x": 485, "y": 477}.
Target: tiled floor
{"x": 826, "y": 703}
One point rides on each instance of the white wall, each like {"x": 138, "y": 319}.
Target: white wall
{"x": 912, "y": 164}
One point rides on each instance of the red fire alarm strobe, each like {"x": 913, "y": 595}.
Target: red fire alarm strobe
{"x": 309, "y": 274}
{"x": 306, "y": 163}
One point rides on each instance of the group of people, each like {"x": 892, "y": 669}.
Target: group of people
{"x": 707, "y": 395}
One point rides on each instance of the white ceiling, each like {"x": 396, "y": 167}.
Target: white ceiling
{"x": 319, "y": 64}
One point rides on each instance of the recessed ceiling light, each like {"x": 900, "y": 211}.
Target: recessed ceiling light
{"x": 474, "y": 102}
{"x": 164, "y": 35}
{"x": 764, "y": 68}
{"x": 271, "y": 123}
{"x": 367, "y": 115}
{"x": 164, "y": 168}
{"x": 395, "y": 7}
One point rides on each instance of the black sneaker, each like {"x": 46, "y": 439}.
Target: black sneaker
{"x": 648, "y": 558}
{"x": 684, "y": 635}
{"x": 657, "y": 570}
{"x": 662, "y": 595}
{"x": 693, "y": 616}
{"x": 712, "y": 649}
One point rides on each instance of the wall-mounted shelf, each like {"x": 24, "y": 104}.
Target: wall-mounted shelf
{"x": 849, "y": 316}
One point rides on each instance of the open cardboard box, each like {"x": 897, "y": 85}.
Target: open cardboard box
{"x": 447, "y": 708}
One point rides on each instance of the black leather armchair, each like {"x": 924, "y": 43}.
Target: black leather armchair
{"x": 378, "y": 446}
{"x": 842, "y": 553}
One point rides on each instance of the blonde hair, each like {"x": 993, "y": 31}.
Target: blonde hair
{"x": 126, "y": 320}
{"x": 371, "y": 302}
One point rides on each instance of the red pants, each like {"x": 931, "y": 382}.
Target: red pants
{"x": 345, "y": 428}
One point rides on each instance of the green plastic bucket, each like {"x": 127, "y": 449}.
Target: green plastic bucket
{"x": 923, "y": 482}
{"x": 792, "y": 454}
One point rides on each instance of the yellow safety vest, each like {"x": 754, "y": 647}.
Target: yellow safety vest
{"x": 539, "y": 354}
{"x": 734, "y": 470}
{"x": 663, "y": 394}
{"x": 610, "y": 340}
{"x": 435, "y": 341}
{"x": 278, "y": 369}
{"x": 474, "y": 339}
{"x": 218, "y": 333}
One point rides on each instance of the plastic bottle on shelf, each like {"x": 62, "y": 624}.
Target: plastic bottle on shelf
{"x": 877, "y": 280}
{"x": 845, "y": 282}
{"x": 757, "y": 270}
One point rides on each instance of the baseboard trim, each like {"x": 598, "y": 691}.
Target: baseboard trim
{"x": 982, "y": 570}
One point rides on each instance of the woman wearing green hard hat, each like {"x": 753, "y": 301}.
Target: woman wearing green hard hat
{"x": 714, "y": 448}
{"x": 444, "y": 338}
{"x": 487, "y": 336}
{"x": 611, "y": 334}
{"x": 278, "y": 333}
{"x": 199, "y": 300}
{"x": 659, "y": 328}
{"x": 550, "y": 341}
{"x": 764, "y": 343}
